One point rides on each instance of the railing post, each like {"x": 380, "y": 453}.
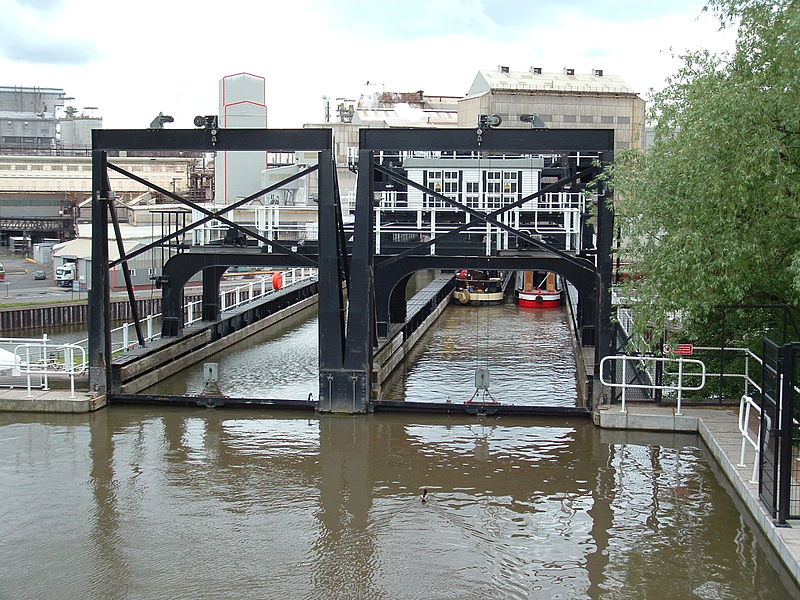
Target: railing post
{"x": 624, "y": 382}
{"x": 433, "y": 229}
{"x": 250, "y": 291}
{"x": 149, "y": 328}
{"x": 28, "y": 369}
{"x": 69, "y": 359}
{"x": 263, "y": 286}
{"x": 44, "y": 359}
{"x": 237, "y": 295}
{"x": 378, "y": 229}
{"x": 680, "y": 383}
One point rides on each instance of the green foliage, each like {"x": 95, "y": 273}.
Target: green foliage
{"x": 711, "y": 212}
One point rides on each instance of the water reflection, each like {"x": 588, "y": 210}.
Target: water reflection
{"x": 528, "y": 353}
{"x": 255, "y": 506}
{"x": 280, "y": 362}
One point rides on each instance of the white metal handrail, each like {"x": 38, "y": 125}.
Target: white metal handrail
{"x": 46, "y": 359}
{"x": 745, "y": 406}
{"x": 680, "y": 387}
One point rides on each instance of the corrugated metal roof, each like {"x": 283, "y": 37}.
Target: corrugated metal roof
{"x": 548, "y": 82}
{"x": 404, "y": 116}
{"x": 82, "y": 248}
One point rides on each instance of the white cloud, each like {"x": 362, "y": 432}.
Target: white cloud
{"x": 168, "y": 56}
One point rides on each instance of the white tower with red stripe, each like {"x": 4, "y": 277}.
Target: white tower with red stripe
{"x": 241, "y": 105}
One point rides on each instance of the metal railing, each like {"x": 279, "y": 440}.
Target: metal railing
{"x": 681, "y": 374}
{"x": 32, "y": 358}
{"x": 746, "y": 404}
{"x": 36, "y": 359}
{"x": 45, "y": 359}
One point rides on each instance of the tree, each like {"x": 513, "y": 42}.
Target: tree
{"x": 710, "y": 214}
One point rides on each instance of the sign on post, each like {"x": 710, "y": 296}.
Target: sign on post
{"x": 684, "y": 349}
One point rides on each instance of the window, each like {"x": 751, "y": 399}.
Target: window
{"x": 493, "y": 201}
{"x": 451, "y": 184}
{"x": 133, "y": 272}
{"x": 569, "y": 118}
{"x": 587, "y": 118}
{"x": 493, "y": 182}
{"x": 151, "y": 271}
{"x": 623, "y": 120}
{"x": 606, "y": 119}
{"x": 434, "y": 183}
{"x": 472, "y": 187}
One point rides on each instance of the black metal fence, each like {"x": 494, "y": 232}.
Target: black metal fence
{"x": 779, "y": 471}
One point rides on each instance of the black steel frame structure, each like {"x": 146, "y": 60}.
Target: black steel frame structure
{"x": 213, "y": 263}
{"x": 348, "y": 331}
{"x": 377, "y": 288}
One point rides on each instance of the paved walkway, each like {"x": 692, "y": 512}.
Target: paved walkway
{"x": 719, "y": 429}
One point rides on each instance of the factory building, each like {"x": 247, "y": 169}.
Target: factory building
{"x": 566, "y": 100}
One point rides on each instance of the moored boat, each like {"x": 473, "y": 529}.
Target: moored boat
{"x": 539, "y": 298}
{"x": 478, "y": 287}
{"x": 545, "y": 295}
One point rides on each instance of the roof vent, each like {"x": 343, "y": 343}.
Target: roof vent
{"x": 597, "y": 72}
{"x": 568, "y": 71}
{"x": 502, "y": 69}
{"x": 536, "y": 70}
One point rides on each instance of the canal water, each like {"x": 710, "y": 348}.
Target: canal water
{"x": 167, "y": 502}
{"x": 527, "y": 352}
{"x": 138, "y": 502}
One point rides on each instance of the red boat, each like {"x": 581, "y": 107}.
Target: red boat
{"x": 545, "y": 295}
{"x": 538, "y": 298}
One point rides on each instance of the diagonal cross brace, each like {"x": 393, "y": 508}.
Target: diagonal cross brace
{"x": 488, "y": 217}
{"x": 212, "y": 215}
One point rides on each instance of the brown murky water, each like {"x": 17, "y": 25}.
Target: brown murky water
{"x": 135, "y": 502}
{"x": 132, "y": 503}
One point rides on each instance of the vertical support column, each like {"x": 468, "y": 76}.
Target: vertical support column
{"x": 347, "y": 389}
{"x": 605, "y": 266}
{"x": 99, "y": 297}
{"x": 211, "y": 279}
{"x": 331, "y": 300}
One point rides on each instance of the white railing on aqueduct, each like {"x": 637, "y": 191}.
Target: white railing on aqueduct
{"x": 29, "y": 362}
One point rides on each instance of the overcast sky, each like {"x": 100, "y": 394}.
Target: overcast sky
{"x": 136, "y": 59}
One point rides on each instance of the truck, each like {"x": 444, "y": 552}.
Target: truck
{"x": 66, "y": 274}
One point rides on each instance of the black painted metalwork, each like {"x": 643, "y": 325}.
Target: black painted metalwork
{"x": 348, "y": 331}
{"x": 554, "y": 187}
{"x": 99, "y": 294}
{"x": 126, "y": 272}
{"x": 211, "y": 215}
{"x": 779, "y": 432}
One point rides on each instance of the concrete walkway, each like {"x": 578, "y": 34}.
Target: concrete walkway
{"x": 16, "y": 400}
{"x": 719, "y": 429}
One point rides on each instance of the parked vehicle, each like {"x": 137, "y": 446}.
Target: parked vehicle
{"x": 66, "y": 274}
{"x": 39, "y": 275}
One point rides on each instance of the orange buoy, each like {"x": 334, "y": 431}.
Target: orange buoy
{"x": 277, "y": 280}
